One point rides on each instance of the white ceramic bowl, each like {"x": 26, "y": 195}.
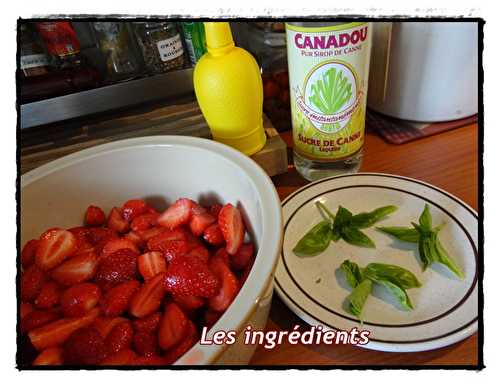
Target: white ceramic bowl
{"x": 161, "y": 169}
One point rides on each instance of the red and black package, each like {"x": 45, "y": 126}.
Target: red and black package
{"x": 59, "y": 37}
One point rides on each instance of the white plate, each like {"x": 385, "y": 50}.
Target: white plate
{"x": 446, "y": 308}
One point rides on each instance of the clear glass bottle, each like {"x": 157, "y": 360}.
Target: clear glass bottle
{"x": 328, "y": 66}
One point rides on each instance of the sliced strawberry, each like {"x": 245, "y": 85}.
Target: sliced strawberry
{"x": 149, "y": 360}
{"x": 200, "y": 220}
{"x": 120, "y": 337}
{"x": 146, "y": 235}
{"x": 190, "y": 339}
{"x": 188, "y": 302}
{"x": 99, "y": 235}
{"x": 243, "y": 257}
{"x": 146, "y": 344}
{"x": 229, "y": 288}
{"x": 104, "y": 325}
{"x": 117, "y": 222}
{"x": 84, "y": 346}
{"x": 116, "y": 244}
{"x": 32, "y": 280}
{"x": 215, "y": 209}
{"x": 213, "y": 235}
{"x": 158, "y": 242}
{"x": 28, "y": 253}
{"x": 122, "y": 357}
{"x": 147, "y": 324}
{"x": 77, "y": 300}
{"x": 177, "y": 214}
{"x": 55, "y": 246}
{"x": 148, "y": 298}
{"x": 50, "y": 356}
{"x": 190, "y": 276}
{"x": 246, "y": 272}
{"x": 174, "y": 249}
{"x": 150, "y": 264}
{"x": 211, "y": 317}
{"x": 224, "y": 255}
{"x": 117, "y": 300}
{"x": 173, "y": 325}
{"x": 55, "y": 333}
{"x": 38, "y": 318}
{"x": 120, "y": 266}
{"x": 144, "y": 221}
{"x": 94, "y": 216}
{"x": 49, "y": 296}
{"x": 24, "y": 309}
{"x": 232, "y": 227}
{"x": 201, "y": 253}
{"x": 133, "y": 208}
{"x": 77, "y": 269}
{"x": 135, "y": 238}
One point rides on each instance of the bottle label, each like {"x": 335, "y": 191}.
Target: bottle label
{"x": 33, "y": 61}
{"x": 328, "y": 71}
{"x": 171, "y": 48}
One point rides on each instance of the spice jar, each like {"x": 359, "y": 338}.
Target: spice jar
{"x": 161, "y": 46}
{"x": 115, "y": 45}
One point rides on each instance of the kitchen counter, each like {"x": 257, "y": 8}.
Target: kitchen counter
{"x": 448, "y": 160}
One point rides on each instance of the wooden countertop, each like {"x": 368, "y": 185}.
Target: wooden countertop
{"x": 448, "y": 160}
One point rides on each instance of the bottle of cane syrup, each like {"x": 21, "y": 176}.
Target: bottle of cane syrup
{"x": 328, "y": 66}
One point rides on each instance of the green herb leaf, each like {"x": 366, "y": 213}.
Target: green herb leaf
{"x": 445, "y": 259}
{"x": 315, "y": 241}
{"x": 352, "y": 272}
{"x": 398, "y": 292}
{"x": 355, "y": 237}
{"x": 342, "y": 218}
{"x": 364, "y": 220}
{"x": 395, "y": 274}
{"x": 322, "y": 208}
{"x": 425, "y": 219}
{"x": 358, "y": 297}
{"x": 405, "y": 234}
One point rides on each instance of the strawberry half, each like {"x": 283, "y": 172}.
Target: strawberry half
{"x": 49, "y": 296}
{"x": 117, "y": 222}
{"x": 50, "y": 356}
{"x": 213, "y": 235}
{"x": 94, "y": 216}
{"x": 150, "y": 264}
{"x": 84, "y": 346}
{"x": 54, "y": 247}
{"x": 117, "y": 300}
{"x": 121, "y": 266}
{"x": 232, "y": 227}
{"x": 190, "y": 276}
{"x": 177, "y": 214}
{"x": 161, "y": 241}
{"x": 77, "y": 300}
{"x": 148, "y": 298}
{"x": 113, "y": 245}
{"x": 146, "y": 344}
{"x": 215, "y": 209}
{"x": 77, "y": 269}
{"x": 144, "y": 221}
{"x": 122, "y": 357}
{"x": 190, "y": 339}
{"x": 38, "y": 318}
{"x": 24, "y": 309}
{"x": 201, "y": 253}
{"x": 147, "y": 324}
{"x": 32, "y": 280}
{"x": 172, "y": 328}
{"x": 120, "y": 337}
{"x": 200, "y": 220}
{"x": 133, "y": 208}
{"x": 104, "y": 325}
{"x": 28, "y": 253}
{"x": 228, "y": 289}
{"x": 188, "y": 302}
{"x": 243, "y": 256}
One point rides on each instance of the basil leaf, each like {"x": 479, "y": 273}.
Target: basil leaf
{"x": 444, "y": 258}
{"x": 342, "y": 218}
{"x": 395, "y": 274}
{"x": 398, "y": 292}
{"x": 358, "y": 297}
{"x": 364, "y": 220}
{"x": 425, "y": 219}
{"x": 355, "y": 237}
{"x": 315, "y": 241}
{"x": 352, "y": 272}
{"x": 322, "y": 208}
{"x": 404, "y": 234}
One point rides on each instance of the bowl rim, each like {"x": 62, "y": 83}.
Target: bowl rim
{"x": 272, "y": 219}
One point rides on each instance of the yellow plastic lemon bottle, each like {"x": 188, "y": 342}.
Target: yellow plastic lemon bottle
{"x": 228, "y": 86}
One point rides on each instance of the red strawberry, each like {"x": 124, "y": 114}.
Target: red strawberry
{"x": 117, "y": 299}
{"x": 215, "y": 209}
{"x": 177, "y": 214}
{"x": 146, "y": 344}
{"x": 117, "y": 222}
{"x": 148, "y": 298}
{"x": 135, "y": 238}
{"x": 116, "y": 244}
{"x": 188, "y": 302}
{"x": 229, "y": 288}
{"x": 201, "y": 253}
{"x": 32, "y": 280}
{"x": 211, "y": 317}
{"x": 232, "y": 227}
{"x": 147, "y": 324}
{"x": 243, "y": 257}
{"x": 190, "y": 339}
{"x": 222, "y": 254}
{"x": 151, "y": 264}
{"x": 174, "y": 249}
{"x": 37, "y": 318}
{"x": 120, "y": 337}
{"x": 25, "y": 309}
{"x": 49, "y": 295}
{"x": 77, "y": 300}
{"x": 94, "y": 216}
{"x": 121, "y": 266}
{"x": 104, "y": 325}
{"x": 55, "y": 333}
{"x": 159, "y": 241}
{"x": 190, "y": 276}
{"x": 200, "y": 220}
{"x": 50, "y": 356}
{"x": 146, "y": 235}
{"x": 55, "y": 246}
{"x": 77, "y": 269}
{"x": 213, "y": 235}
{"x": 84, "y": 346}
{"x": 149, "y": 360}
{"x": 144, "y": 221}
{"x": 123, "y": 357}
{"x": 133, "y": 208}
{"x": 28, "y": 253}
{"x": 99, "y": 235}
{"x": 246, "y": 272}
{"x": 173, "y": 325}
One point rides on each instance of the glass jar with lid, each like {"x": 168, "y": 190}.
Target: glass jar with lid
{"x": 161, "y": 46}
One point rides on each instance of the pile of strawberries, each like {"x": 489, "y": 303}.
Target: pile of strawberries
{"x": 132, "y": 288}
